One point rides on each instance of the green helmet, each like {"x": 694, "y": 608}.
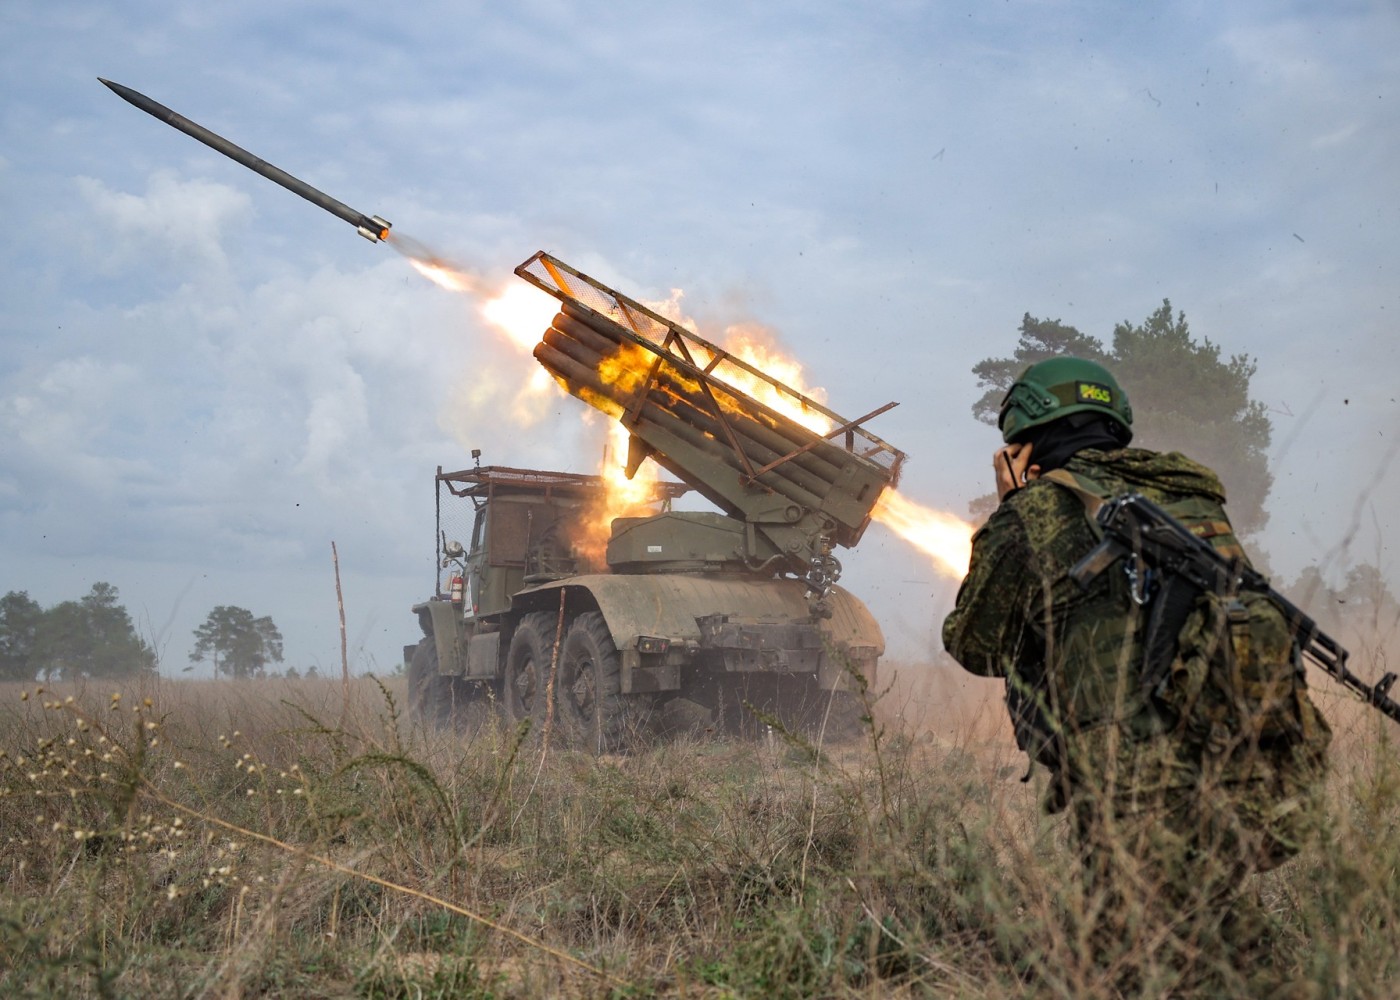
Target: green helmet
{"x": 1049, "y": 390}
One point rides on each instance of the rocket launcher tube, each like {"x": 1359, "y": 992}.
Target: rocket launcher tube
{"x": 671, "y": 394}
{"x": 649, "y": 329}
{"x": 689, "y": 414}
{"x": 728, "y": 492}
{"x": 762, "y": 444}
{"x": 780, "y": 433}
{"x": 661, "y": 430}
{"x": 745, "y": 406}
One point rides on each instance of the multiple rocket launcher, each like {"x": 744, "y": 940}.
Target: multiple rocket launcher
{"x": 804, "y": 489}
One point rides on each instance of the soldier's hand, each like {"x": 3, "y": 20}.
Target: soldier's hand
{"x": 1013, "y": 468}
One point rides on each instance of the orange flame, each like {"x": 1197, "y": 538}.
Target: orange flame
{"x": 622, "y": 497}
{"x": 945, "y": 537}
{"x": 520, "y": 311}
{"x": 517, "y": 311}
{"x": 756, "y": 346}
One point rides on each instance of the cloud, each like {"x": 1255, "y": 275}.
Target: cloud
{"x": 181, "y": 218}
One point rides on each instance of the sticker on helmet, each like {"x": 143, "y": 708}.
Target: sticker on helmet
{"x": 1092, "y": 392}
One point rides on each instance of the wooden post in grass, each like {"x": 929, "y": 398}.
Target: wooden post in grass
{"x": 344, "y": 656}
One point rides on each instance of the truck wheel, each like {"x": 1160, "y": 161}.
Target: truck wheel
{"x": 422, "y": 686}
{"x": 592, "y": 707}
{"x": 438, "y": 700}
{"x": 527, "y": 667}
{"x": 840, "y": 714}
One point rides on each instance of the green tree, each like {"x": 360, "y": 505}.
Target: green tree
{"x": 239, "y": 644}
{"x": 1363, "y": 601}
{"x": 1318, "y": 600}
{"x": 1185, "y": 396}
{"x": 19, "y": 630}
{"x": 1367, "y": 599}
{"x": 90, "y": 637}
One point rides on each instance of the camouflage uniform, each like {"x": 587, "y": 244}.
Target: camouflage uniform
{"x": 1163, "y": 809}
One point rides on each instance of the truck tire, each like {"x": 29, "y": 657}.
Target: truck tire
{"x": 422, "y": 683}
{"x": 594, "y": 713}
{"x": 441, "y": 701}
{"x": 838, "y": 716}
{"x": 527, "y": 668}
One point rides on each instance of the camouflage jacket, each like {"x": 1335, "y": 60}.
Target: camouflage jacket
{"x": 1072, "y": 657}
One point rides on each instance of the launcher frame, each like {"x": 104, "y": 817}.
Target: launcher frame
{"x": 676, "y": 345}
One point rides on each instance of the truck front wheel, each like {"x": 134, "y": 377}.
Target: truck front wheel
{"x": 423, "y": 683}
{"x": 441, "y": 701}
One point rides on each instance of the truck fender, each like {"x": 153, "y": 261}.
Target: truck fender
{"x": 668, "y": 606}
{"x": 447, "y": 633}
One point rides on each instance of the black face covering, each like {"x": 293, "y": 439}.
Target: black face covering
{"x": 1052, "y": 444}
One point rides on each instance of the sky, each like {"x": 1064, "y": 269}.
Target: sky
{"x": 206, "y": 381}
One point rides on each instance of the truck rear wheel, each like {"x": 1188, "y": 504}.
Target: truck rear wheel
{"x": 527, "y": 668}
{"x": 592, "y": 708}
{"x": 745, "y": 704}
{"x": 838, "y": 715}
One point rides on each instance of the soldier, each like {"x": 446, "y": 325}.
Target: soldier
{"x": 1172, "y": 803}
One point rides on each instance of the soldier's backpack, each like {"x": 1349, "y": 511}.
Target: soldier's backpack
{"x": 1220, "y": 655}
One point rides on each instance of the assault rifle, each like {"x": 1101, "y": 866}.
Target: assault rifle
{"x": 1159, "y": 546}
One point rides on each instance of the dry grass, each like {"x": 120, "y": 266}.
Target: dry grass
{"x": 259, "y": 839}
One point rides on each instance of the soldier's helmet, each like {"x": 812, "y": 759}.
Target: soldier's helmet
{"x": 1059, "y": 387}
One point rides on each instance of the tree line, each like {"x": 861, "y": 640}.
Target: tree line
{"x": 90, "y": 637}
{"x": 94, "y": 637}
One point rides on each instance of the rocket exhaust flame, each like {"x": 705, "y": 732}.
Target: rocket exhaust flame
{"x": 435, "y": 267}
{"x": 943, "y": 536}
{"x": 515, "y": 310}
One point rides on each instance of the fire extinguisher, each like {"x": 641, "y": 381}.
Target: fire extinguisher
{"x": 455, "y": 588}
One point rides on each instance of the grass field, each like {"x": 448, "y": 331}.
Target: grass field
{"x": 278, "y": 838}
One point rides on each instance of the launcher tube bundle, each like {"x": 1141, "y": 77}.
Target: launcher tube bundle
{"x": 676, "y": 393}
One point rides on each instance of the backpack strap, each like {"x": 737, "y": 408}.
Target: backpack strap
{"x": 1084, "y": 488}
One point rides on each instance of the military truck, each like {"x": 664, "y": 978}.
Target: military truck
{"x": 711, "y": 619}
